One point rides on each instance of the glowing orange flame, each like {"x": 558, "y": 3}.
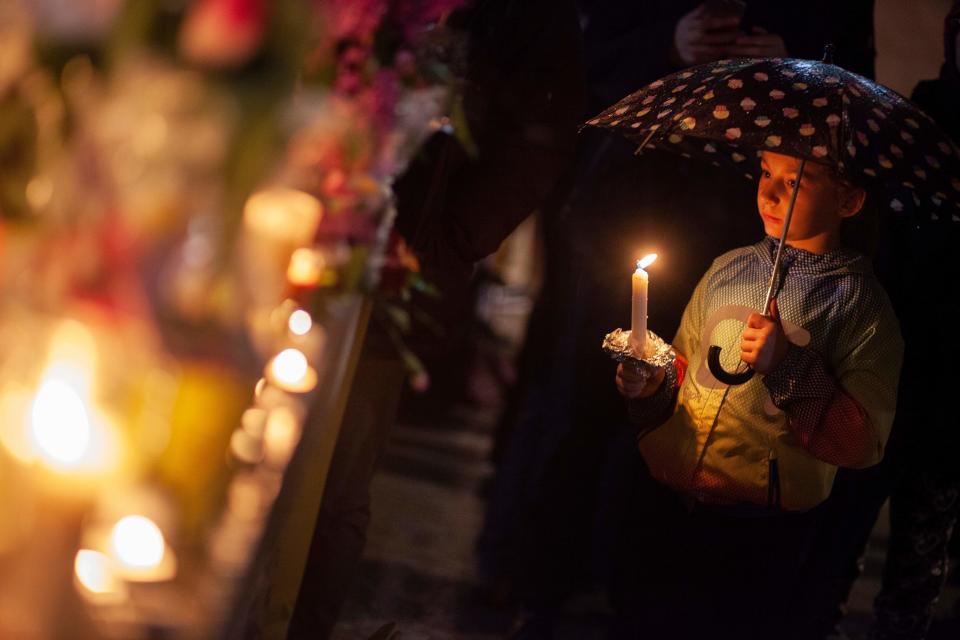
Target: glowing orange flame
{"x": 646, "y": 261}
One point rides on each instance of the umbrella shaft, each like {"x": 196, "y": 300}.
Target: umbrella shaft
{"x": 775, "y": 274}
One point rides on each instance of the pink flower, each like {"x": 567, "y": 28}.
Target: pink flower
{"x": 380, "y": 99}
{"x": 350, "y": 63}
{"x": 348, "y": 82}
{"x": 223, "y": 33}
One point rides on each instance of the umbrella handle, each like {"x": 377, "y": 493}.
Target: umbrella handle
{"x": 713, "y": 356}
{"x": 732, "y": 379}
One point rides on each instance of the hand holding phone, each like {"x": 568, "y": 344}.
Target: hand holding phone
{"x": 704, "y": 34}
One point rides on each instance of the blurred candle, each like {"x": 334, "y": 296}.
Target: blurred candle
{"x": 140, "y": 550}
{"x": 300, "y": 322}
{"x": 60, "y": 424}
{"x": 67, "y": 430}
{"x": 96, "y": 573}
{"x": 638, "y": 307}
{"x": 306, "y": 267}
{"x": 290, "y": 371}
{"x": 137, "y": 542}
{"x": 283, "y": 214}
{"x": 281, "y": 436}
{"x": 289, "y": 367}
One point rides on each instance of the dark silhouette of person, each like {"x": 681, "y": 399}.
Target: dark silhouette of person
{"x": 920, "y": 473}
{"x": 522, "y": 98}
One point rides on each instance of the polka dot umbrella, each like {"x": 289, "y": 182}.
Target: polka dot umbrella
{"x": 726, "y": 112}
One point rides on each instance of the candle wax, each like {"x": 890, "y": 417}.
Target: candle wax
{"x": 638, "y": 308}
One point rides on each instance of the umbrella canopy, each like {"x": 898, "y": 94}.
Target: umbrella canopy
{"x": 729, "y": 110}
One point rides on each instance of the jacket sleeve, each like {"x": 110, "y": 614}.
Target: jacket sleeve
{"x": 649, "y": 413}
{"x": 825, "y": 421}
{"x": 523, "y": 99}
{"x": 842, "y": 418}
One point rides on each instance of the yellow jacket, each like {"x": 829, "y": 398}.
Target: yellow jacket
{"x": 732, "y": 444}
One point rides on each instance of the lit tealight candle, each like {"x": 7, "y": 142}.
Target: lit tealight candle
{"x": 306, "y": 267}
{"x": 137, "y": 542}
{"x": 69, "y": 435}
{"x": 638, "y": 307}
{"x": 140, "y": 550}
{"x": 289, "y": 367}
{"x": 300, "y": 322}
{"x": 281, "y": 436}
{"x": 60, "y": 424}
{"x": 96, "y": 573}
{"x": 290, "y": 371}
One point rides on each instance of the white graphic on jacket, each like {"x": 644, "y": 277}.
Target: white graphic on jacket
{"x": 795, "y": 334}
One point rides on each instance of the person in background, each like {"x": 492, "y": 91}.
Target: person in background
{"x": 920, "y": 475}
{"x": 522, "y": 99}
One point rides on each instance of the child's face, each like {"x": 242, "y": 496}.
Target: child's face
{"x": 822, "y": 202}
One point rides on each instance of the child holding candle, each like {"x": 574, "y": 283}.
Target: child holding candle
{"x": 750, "y": 463}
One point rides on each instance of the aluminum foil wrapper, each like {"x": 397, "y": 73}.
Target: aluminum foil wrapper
{"x": 657, "y": 352}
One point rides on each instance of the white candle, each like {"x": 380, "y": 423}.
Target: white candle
{"x": 282, "y": 215}
{"x": 638, "y": 306}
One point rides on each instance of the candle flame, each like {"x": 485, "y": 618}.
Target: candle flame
{"x": 300, "y": 322}
{"x": 290, "y": 366}
{"x": 290, "y": 370}
{"x": 139, "y": 552}
{"x": 137, "y": 542}
{"x": 95, "y": 572}
{"x": 60, "y": 424}
{"x": 306, "y": 267}
{"x": 646, "y": 261}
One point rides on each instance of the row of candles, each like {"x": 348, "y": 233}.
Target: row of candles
{"x": 279, "y": 225}
{"x": 70, "y": 454}
{"x": 77, "y": 446}
{"x": 73, "y": 437}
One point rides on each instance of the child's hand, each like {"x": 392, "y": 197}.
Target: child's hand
{"x": 633, "y": 384}
{"x": 763, "y": 344}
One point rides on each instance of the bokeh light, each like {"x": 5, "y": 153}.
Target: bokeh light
{"x": 281, "y": 436}
{"x": 60, "y": 425}
{"x": 95, "y": 572}
{"x": 283, "y": 214}
{"x": 137, "y": 542}
{"x": 306, "y": 267}
{"x": 289, "y": 368}
{"x": 300, "y": 322}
